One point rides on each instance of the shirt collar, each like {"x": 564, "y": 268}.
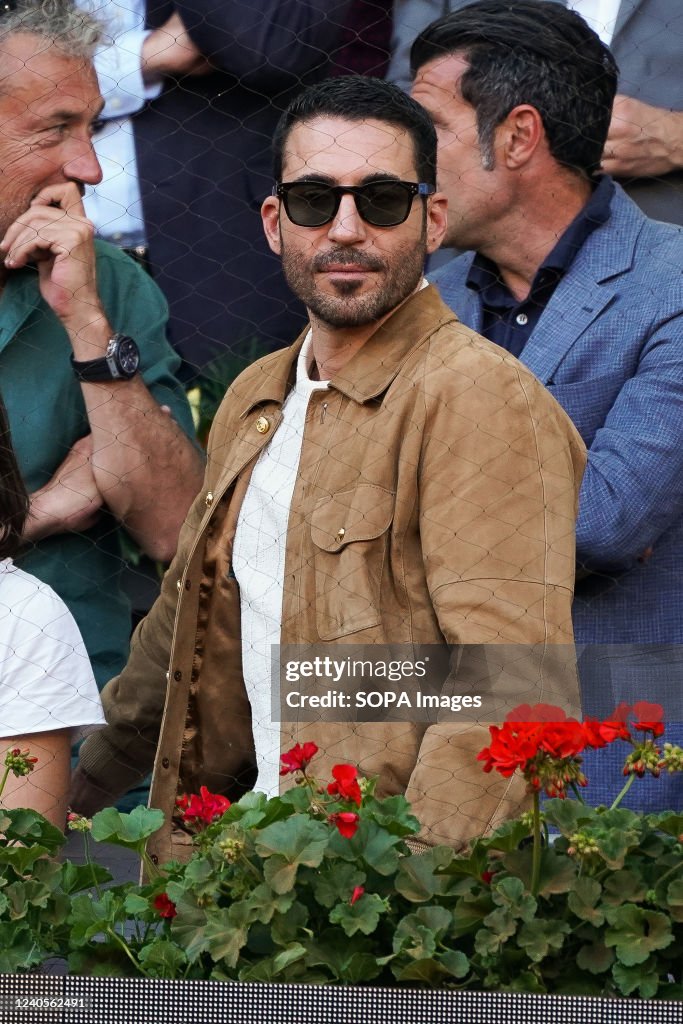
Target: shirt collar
{"x": 484, "y": 276}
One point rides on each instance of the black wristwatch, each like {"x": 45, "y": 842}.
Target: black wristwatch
{"x": 121, "y": 361}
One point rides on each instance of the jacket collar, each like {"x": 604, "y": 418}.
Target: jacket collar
{"x": 372, "y": 369}
{"x": 588, "y": 288}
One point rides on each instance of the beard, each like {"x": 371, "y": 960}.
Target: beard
{"x": 401, "y": 274}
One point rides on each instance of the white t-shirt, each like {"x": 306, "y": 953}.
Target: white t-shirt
{"x": 46, "y": 681}
{"x": 259, "y": 564}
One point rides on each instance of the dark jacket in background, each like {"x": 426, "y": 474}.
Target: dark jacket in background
{"x": 204, "y": 161}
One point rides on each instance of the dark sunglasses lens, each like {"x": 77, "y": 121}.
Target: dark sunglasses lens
{"x": 384, "y": 203}
{"x": 309, "y": 204}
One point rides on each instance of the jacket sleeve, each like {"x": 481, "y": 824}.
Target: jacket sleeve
{"x": 498, "y": 489}
{"x": 633, "y": 487}
{"x": 267, "y": 43}
{"x": 116, "y": 758}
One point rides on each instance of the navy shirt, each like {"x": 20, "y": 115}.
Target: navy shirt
{"x": 506, "y": 321}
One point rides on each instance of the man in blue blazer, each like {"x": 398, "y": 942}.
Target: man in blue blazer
{"x": 570, "y": 276}
{"x": 645, "y": 141}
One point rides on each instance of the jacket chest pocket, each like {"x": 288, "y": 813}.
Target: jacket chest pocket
{"x": 350, "y": 534}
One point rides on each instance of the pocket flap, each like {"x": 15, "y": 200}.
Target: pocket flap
{"x": 361, "y": 513}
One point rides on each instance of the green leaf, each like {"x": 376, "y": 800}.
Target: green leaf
{"x": 335, "y": 882}
{"x": 363, "y": 916}
{"x": 162, "y": 959}
{"x": 188, "y": 929}
{"x": 295, "y": 840}
{"x": 136, "y": 905}
{"x": 455, "y": 962}
{"x": 541, "y": 938}
{"x": 25, "y": 895}
{"x": 285, "y": 928}
{"x": 21, "y": 858}
{"x": 417, "y": 877}
{"x": 392, "y": 813}
{"x": 558, "y": 872}
{"x": 623, "y": 887}
{"x": 31, "y": 828}
{"x": 89, "y": 917}
{"x": 507, "y": 836}
{"x": 674, "y": 899}
{"x": 430, "y": 971}
{"x": 642, "y": 977}
{"x": 672, "y": 824}
{"x": 636, "y": 932}
{"x": 583, "y": 899}
{"x": 280, "y": 874}
{"x": 225, "y": 937}
{"x": 614, "y": 844}
{"x": 418, "y": 934}
{"x": 76, "y": 877}
{"x": 470, "y": 911}
{"x": 510, "y": 894}
{"x": 567, "y": 815}
{"x": 371, "y": 844}
{"x": 18, "y": 949}
{"x": 262, "y": 903}
{"x": 489, "y": 943}
{"x": 501, "y": 923}
{"x": 283, "y": 959}
{"x": 128, "y": 830}
{"x": 595, "y": 957}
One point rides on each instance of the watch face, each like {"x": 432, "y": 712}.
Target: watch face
{"x": 128, "y": 357}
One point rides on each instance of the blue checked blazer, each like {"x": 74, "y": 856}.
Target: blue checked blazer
{"x": 609, "y": 346}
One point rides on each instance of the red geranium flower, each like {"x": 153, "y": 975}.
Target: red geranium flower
{"x": 648, "y": 718}
{"x": 346, "y": 822}
{"x": 298, "y": 758}
{"x": 202, "y": 809}
{"x": 346, "y": 784}
{"x": 615, "y": 727}
{"x": 356, "y": 895}
{"x": 164, "y": 906}
{"x": 512, "y": 745}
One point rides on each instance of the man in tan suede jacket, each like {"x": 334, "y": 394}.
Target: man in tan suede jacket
{"x": 390, "y": 478}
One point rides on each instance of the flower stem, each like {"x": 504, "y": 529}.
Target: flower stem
{"x": 4, "y": 781}
{"x": 536, "y": 853}
{"x": 622, "y": 793}
{"x": 671, "y": 871}
{"x": 126, "y": 950}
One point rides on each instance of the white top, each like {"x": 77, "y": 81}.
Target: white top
{"x": 46, "y": 681}
{"x": 601, "y": 15}
{"x": 114, "y": 205}
{"x": 259, "y": 564}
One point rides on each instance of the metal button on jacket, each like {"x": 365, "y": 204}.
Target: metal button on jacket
{"x": 208, "y": 500}
{"x": 263, "y": 424}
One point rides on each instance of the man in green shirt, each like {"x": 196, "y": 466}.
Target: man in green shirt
{"x": 100, "y": 424}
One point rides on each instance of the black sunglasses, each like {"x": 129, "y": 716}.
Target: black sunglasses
{"x": 384, "y": 204}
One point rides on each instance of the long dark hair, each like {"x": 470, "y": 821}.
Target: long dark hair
{"x": 14, "y": 502}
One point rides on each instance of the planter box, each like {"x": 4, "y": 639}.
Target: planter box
{"x": 39, "y": 999}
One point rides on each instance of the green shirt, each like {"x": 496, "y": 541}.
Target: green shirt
{"x": 47, "y": 415}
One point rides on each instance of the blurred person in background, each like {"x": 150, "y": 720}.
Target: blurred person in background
{"x": 193, "y": 90}
{"x": 644, "y": 146}
{"x": 100, "y": 425}
{"x": 563, "y": 270}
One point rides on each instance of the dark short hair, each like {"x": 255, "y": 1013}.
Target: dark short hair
{"x": 536, "y": 52}
{"x": 14, "y": 503}
{"x": 357, "y": 98}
